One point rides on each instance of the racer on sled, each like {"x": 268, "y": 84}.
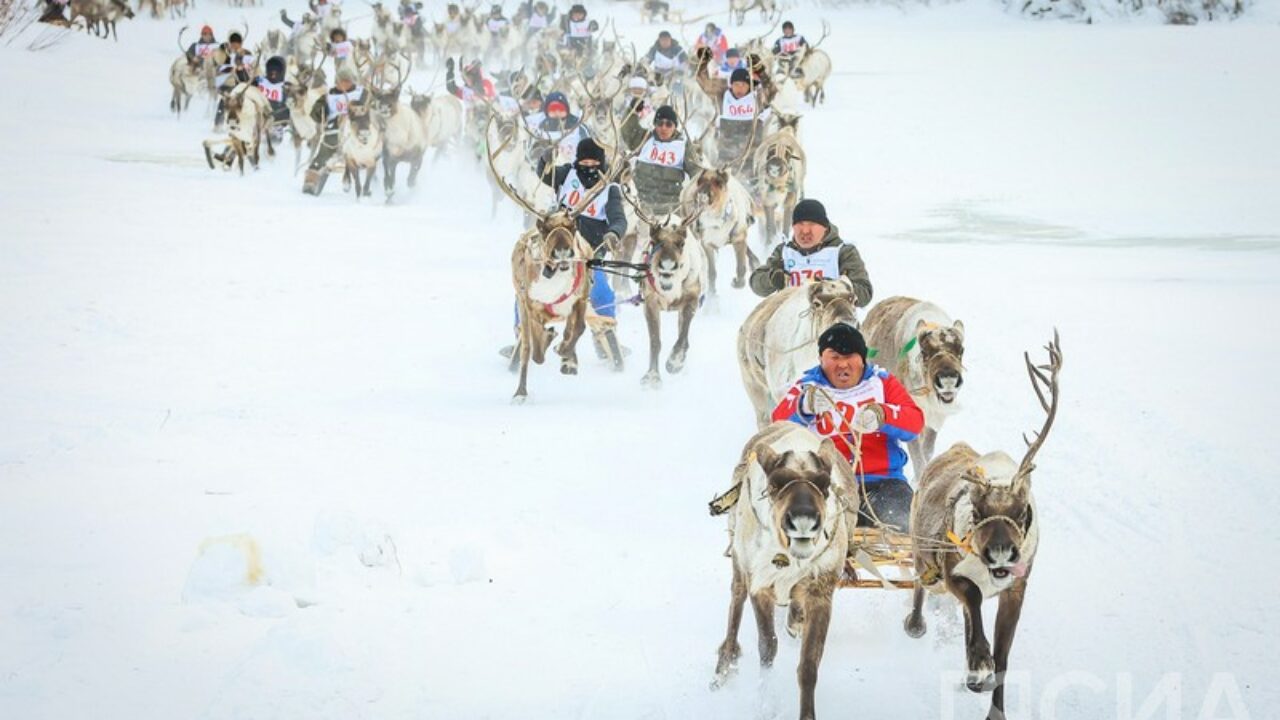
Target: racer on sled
{"x": 866, "y": 412}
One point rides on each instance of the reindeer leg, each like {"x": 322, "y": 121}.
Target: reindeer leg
{"x": 414, "y": 167}
{"x": 916, "y": 452}
{"x": 675, "y": 363}
{"x": 388, "y": 175}
{"x": 1006, "y": 625}
{"x": 524, "y": 347}
{"x": 914, "y": 623}
{"x": 740, "y": 254}
{"x": 369, "y": 172}
{"x": 730, "y": 650}
{"x": 927, "y": 440}
{"x": 711, "y": 268}
{"x": 977, "y": 650}
{"x": 653, "y": 320}
{"x": 574, "y": 327}
{"x": 762, "y": 603}
{"x": 817, "y": 611}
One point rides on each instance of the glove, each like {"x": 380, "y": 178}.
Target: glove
{"x": 448, "y": 64}
{"x": 283, "y": 16}
{"x": 777, "y": 279}
{"x": 814, "y": 401}
{"x": 869, "y": 419}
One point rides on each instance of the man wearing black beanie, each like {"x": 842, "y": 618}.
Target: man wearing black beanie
{"x": 814, "y": 252}
{"x": 663, "y": 163}
{"x": 865, "y": 412}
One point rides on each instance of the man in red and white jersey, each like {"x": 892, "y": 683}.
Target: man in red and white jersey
{"x": 866, "y": 412}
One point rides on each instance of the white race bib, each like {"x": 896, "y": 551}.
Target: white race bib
{"x": 663, "y": 154}
{"x": 663, "y": 63}
{"x": 572, "y": 192}
{"x": 538, "y": 22}
{"x": 789, "y": 45}
{"x": 738, "y": 109}
{"x": 837, "y": 421}
{"x": 804, "y": 269}
{"x": 340, "y": 103}
{"x": 580, "y": 29}
{"x": 341, "y": 50}
{"x": 274, "y": 92}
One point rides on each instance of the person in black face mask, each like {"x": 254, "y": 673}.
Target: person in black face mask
{"x": 602, "y": 223}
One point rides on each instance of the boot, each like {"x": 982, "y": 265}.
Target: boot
{"x": 313, "y": 182}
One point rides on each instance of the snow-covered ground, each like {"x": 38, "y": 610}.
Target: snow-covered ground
{"x": 200, "y": 373}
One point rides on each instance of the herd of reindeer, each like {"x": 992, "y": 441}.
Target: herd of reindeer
{"x": 973, "y": 530}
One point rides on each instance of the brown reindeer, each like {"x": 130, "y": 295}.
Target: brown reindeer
{"x": 676, "y": 280}
{"x": 552, "y": 283}
{"x": 789, "y": 528}
{"x": 975, "y": 537}
{"x": 924, "y": 348}
{"x": 780, "y": 162}
{"x": 725, "y": 216}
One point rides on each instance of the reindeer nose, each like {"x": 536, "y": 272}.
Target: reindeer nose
{"x": 953, "y": 375}
{"x": 800, "y": 523}
{"x": 1002, "y": 553}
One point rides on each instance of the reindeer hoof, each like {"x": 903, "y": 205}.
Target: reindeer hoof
{"x": 519, "y": 399}
{"x": 981, "y": 677}
{"x": 738, "y": 283}
{"x": 651, "y": 380}
{"x": 675, "y": 365}
{"x": 914, "y": 625}
{"x": 569, "y": 367}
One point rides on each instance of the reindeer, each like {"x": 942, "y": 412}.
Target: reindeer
{"x": 738, "y": 9}
{"x": 975, "y": 536}
{"x": 790, "y": 534}
{"x": 675, "y": 282}
{"x": 185, "y": 79}
{"x": 779, "y": 339}
{"x": 248, "y": 118}
{"x": 274, "y": 43}
{"x": 552, "y": 284}
{"x": 404, "y": 133}
{"x": 445, "y": 118}
{"x": 924, "y": 348}
{"x": 100, "y": 16}
{"x": 780, "y": 162}
{"x": 726, "y": 215}
{"x": 360, "y": 143}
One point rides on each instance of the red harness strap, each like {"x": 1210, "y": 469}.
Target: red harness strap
{"x": 579, "y": 272}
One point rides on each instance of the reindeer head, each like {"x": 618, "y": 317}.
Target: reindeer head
{"x": 1001, "y": 517}
{"x": 667, "y": 251}
{"x": 420, "y": 103}
{"x": 360, "y": 117}
{"x": 558, "y": 241}
{"x": 711, "y": 187}
{"x": 832, "y": 301}
{"x": 942, "y": 353}
{"x": 799, "y": 485}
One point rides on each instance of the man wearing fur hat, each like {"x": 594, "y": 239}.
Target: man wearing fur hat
{"x": 814, "y": 252}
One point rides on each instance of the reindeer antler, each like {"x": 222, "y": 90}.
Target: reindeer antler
{"x": 501, "y": 181}
{"x": 1041, "y": 382}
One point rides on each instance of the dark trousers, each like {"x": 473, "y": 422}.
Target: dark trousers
{"x": 891, "y": 502}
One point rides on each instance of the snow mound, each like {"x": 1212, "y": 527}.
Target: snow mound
{"x": 234, "y": 569}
